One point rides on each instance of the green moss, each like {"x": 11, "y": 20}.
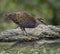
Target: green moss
{"x": 6, "y": 26}
{"x": 46, "y": 49}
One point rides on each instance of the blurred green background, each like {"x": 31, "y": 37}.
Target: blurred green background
{"x": 49, "y": 10}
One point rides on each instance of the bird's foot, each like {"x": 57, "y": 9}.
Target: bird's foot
{"x": 25, "y": 34}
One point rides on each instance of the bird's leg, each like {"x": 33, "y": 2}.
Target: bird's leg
{"x": 24, "y": 31}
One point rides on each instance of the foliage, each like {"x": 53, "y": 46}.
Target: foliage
{"x": 38, "y": 8}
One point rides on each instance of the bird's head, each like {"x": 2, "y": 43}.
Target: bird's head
{"x": 8, "y": 16}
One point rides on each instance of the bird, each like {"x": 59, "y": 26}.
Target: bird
{"x": 24, "y": 20}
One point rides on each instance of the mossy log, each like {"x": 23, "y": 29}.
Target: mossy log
{"x": 40, "y": 32}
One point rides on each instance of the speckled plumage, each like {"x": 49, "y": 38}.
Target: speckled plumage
{"x": 23, "y": 19}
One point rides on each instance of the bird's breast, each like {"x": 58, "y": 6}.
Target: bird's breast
{"x": 27, "y": 24}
